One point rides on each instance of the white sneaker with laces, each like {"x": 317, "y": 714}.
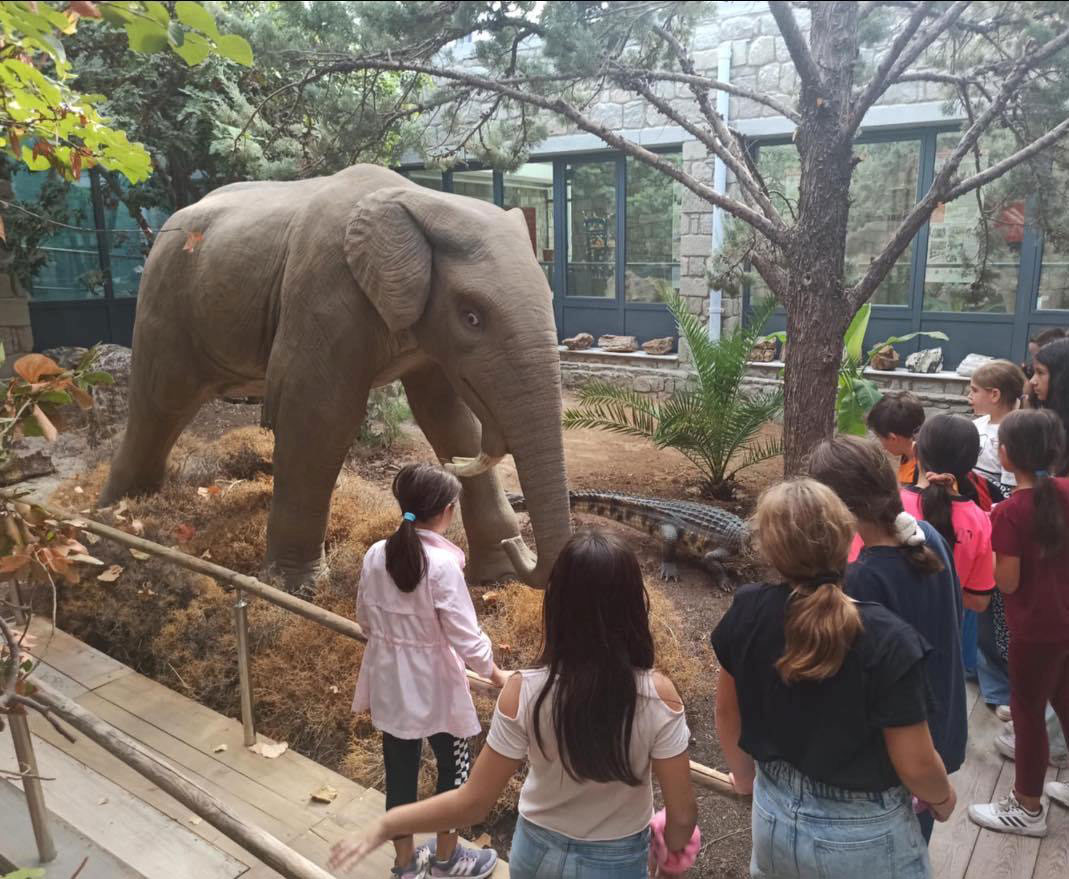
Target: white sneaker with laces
{"x": 1006, "y": 745}
{"x": 1009, "y": 816}
{"x": 1058, "y": 791}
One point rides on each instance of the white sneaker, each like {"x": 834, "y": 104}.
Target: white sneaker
{"x": 1002, "y": 712}
{"x": 1006, "y": 745}
{"x": 1057, "y": 791}
{"x": 1009, "y": 816}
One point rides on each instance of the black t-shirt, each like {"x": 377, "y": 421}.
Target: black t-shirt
{"x": 931, "y": 604}
{"x": 832, "y": 730}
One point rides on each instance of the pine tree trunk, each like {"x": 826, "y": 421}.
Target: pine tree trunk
{"x": 817, "y": 310}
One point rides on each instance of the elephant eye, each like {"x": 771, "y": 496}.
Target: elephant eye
{"x": 472, "y": 319}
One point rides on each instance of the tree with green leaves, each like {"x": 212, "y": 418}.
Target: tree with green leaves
{"x": 47, "y": 123}
{"x": 1004, "y": 64}
{"x": 716, "y": 425}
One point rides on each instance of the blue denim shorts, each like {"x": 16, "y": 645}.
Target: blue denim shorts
{"x": 803, "y": 829}
{"x": 538, "y": 853}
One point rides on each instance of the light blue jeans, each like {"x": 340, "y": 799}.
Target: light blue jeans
{"x": 538, "y": 853}
{"x": 803, "y": 829}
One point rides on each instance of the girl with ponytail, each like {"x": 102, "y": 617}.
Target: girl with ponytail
{"x": 822, "y": 706}
{"x": 1030, "y": 535}
{"x": 906, "y": 566}
{"x": 416, "y": 611}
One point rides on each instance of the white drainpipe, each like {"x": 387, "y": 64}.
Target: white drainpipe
{"x": 720, "y": 184}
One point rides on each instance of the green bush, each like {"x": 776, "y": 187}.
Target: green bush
{"x": 387, "y": 411}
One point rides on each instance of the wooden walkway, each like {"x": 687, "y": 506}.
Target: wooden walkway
{"x": 130, "y": 822}
{"x": 961, "y": 850}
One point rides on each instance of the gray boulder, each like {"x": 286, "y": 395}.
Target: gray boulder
{"x": 927, "y": 361}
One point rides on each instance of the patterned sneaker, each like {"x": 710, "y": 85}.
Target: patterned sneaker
{"x": 1006, "y": 745}
{"x": 1057, "y": 791}
{"x": 468, "y": 862}
{"x": 1009, "y": 816}
{"x": 419, "y": 868}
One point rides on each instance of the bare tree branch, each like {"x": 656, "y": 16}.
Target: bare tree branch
{"x": 941, "y": 188}
{"x": 1010, "y": 162}
{"x": 560, "y": 106}
{"x": 899, "y": 57}
{"x": 729, "y": 87}
{"x": 807, "y": 68}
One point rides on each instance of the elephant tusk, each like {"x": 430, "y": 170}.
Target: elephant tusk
{"x": 464, "y": 467}
{"x": 523, "y": 560}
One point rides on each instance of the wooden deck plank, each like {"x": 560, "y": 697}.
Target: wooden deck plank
{"x": 58, "y": 681}
{"x": 74, "y": 658}
{"x": 953, "y": 842}
{"x": 134, "y": 832}
{"x": 292, "y": 775}
{"x": 1004, "y": 855}
{"x": 1053, "y": 859}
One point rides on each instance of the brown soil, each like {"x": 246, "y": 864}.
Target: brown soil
{"x": 177, "y": 643}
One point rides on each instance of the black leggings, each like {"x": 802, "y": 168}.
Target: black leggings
{"x": 401, "y": 757}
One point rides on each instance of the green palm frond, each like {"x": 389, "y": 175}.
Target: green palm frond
{"x": 715, "y": 425}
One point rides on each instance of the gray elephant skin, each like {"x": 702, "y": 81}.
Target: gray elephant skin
{"x": 311, "y": 293}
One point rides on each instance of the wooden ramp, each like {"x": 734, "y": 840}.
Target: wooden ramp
{"x": 129, "y": 821}
{"x": 961, "y": 850}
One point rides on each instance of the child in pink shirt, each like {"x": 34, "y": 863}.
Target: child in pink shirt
{"x": 415, "y": 608}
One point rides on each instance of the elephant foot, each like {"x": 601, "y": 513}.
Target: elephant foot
{"x": 487, "y": 565}
{"x": 303, "y": 581}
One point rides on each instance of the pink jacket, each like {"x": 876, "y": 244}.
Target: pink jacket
{"x": 412, "y": 675}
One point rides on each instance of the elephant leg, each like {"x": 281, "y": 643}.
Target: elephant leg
{"x": 161, "y": 404}
{"x": 454, "y": 431}
{"x": 313, "y": 431}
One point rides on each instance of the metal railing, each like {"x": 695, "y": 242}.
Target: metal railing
{"x": 253, "y": 839}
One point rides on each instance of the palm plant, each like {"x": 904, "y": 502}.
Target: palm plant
{"x": 714, "y": 424}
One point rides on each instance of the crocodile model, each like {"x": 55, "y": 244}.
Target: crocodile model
{"x": 705, "y": 534}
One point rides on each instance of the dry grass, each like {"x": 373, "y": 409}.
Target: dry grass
{"x": 177, "y": 627}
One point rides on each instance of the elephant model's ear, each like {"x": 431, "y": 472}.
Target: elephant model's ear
{"x": 390, "y": 256}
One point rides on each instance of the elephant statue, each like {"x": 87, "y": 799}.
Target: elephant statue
{"x": 312, "y": 292}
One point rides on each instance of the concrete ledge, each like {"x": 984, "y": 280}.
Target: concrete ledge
{"x": 615, "y": 358}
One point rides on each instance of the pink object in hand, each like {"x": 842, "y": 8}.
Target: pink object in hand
{"x": 919, "y": 806}
{"x": 672, "y": 863}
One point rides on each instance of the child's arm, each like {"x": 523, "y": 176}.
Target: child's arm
{"x": 1007, "y": 573}
{"x": 456, "y": 614}
{"x": 729, "y": 728}
{"x": 919, "y": 767}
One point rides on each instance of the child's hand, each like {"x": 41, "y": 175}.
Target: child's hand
{"x": 743, "y": 786}
{"x": 945, "y": 809}
{"x": 347, "y": 853}
{"x": 499, "y": 677}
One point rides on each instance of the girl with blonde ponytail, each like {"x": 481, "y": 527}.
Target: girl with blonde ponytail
{"x": 822, "y": 705}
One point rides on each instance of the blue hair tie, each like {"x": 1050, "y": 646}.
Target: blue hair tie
{"x": 409, "y": 517}
{"x": 1040, "y": 474}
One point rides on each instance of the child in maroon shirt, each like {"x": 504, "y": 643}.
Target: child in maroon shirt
{"x": 1030, "y": 536}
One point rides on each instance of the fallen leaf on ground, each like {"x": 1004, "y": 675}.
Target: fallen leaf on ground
{"x": 103, "y": 801}
{"x": 207, "y": 554}
{"x": 90, "y": 537}
{"x": 326, "y": 794}
{"x": 111, "y": 574}
{"x": 218, "y": 749}
{"x": 139, "y": 555}
{"x": 333, "y": 689}
{"x": 505, "y": 648}
{"x": 85, "y": 559}
{"x": 270, "y": 750}
{"x": 137, "y": 527}
{"x": 79, "y": 490}
{"x": 195, "y": 820}
{"x": 490, "y": 597}
{"x": 184, "y": 533}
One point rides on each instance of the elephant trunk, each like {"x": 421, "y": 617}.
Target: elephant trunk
{"x": 534, "y": 438}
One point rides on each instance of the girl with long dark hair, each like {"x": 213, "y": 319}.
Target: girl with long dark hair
{"x": 906, "y": 566}
{"x": 1050, "y": 385}
{"x": 417, "y": 612}
{"x": 593, "y": 720}
{"x": 1030, "y": 535}
{"x": 822, "y": 708}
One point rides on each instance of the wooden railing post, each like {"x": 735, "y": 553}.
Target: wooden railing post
{"x": 241, "y": 624}
{"x": 31, "y": 784}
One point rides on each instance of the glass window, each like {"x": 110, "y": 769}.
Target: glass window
{"x": 430, "y": 179}
{"x": 960, "y": 275}
{"x": 591, "y": 227}
{"x": 474, "y": 184}
{"x": 1053, "y": 294}
{"x": 72, "y": 261}
{"x": 128, "y": 247}
{"x": 882, "y": 190}
{"x": 530, "y": 188}
{"x": 652, "y": 221}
